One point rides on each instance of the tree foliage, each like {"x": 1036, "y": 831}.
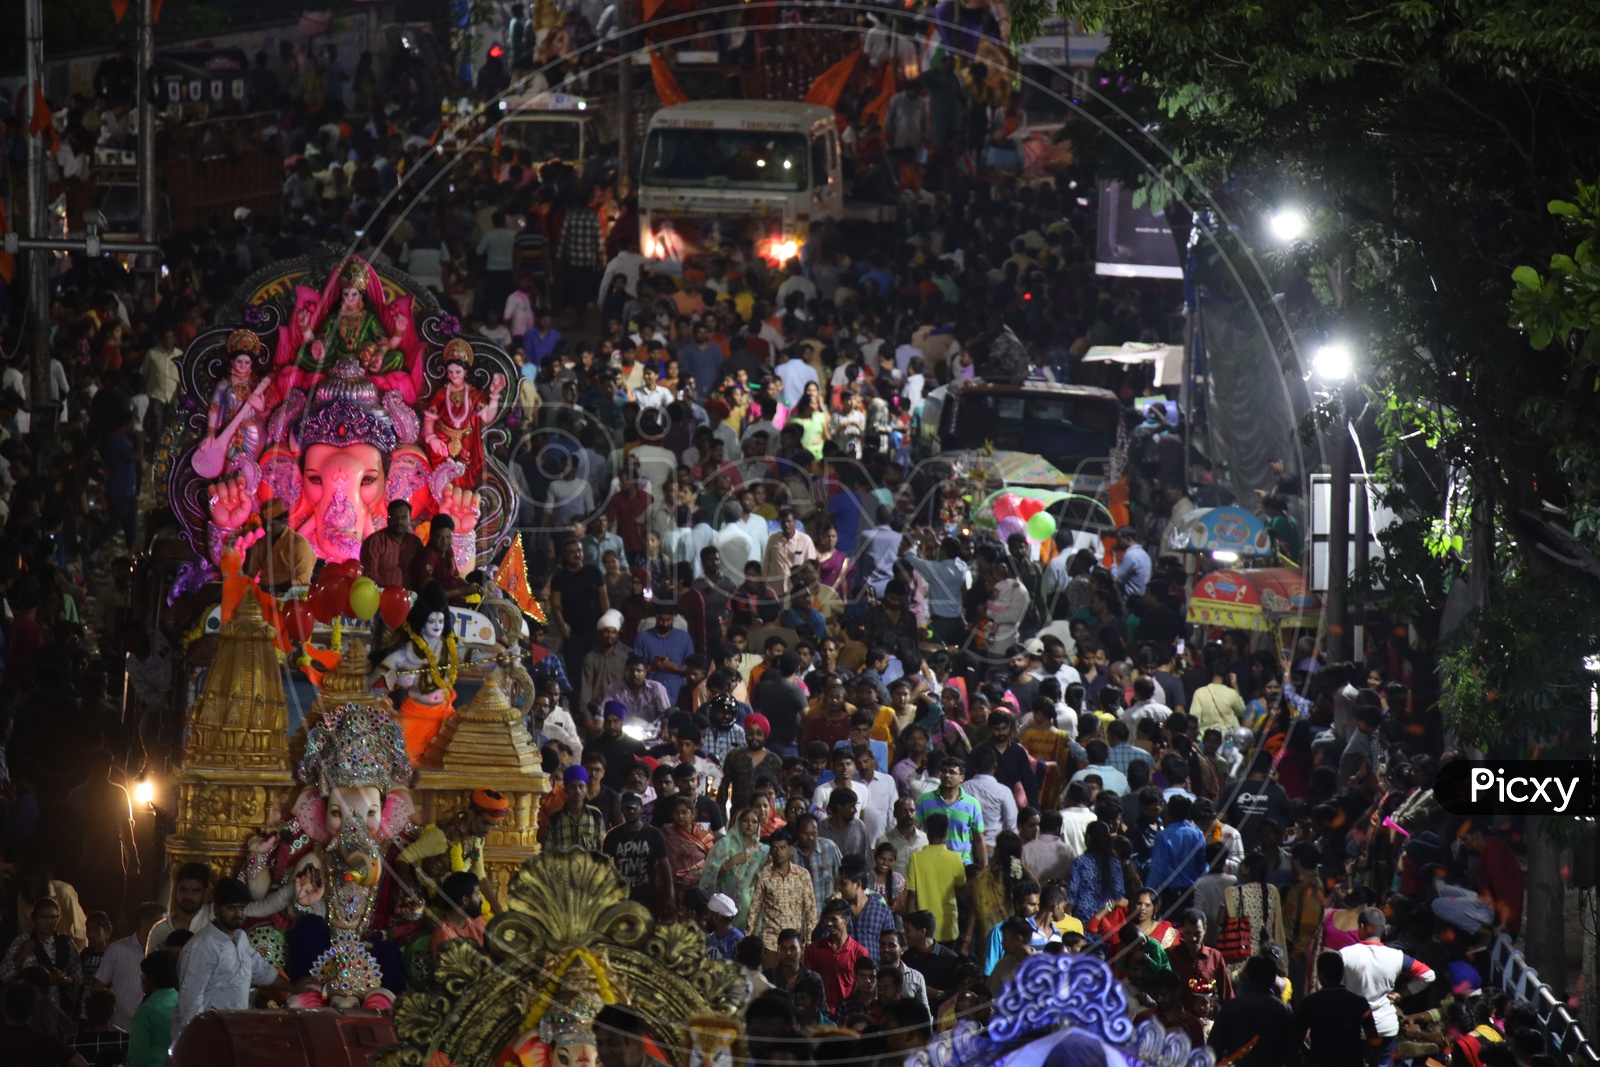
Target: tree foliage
{"x": 1426, "y": 138}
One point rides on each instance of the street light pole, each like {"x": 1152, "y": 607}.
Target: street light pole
{"x": 1337, "y": 645}
{"x": 146, "y": 275}
{"x": 38, "y": 227}
{"x": 624, "y": 102}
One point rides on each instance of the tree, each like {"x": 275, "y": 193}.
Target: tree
{"x": 1428, "y": 138}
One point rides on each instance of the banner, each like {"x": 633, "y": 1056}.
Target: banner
{"x": 1133, "y": 242}
{"x": 666, "y": 85}
{"x": 830, "y": 84}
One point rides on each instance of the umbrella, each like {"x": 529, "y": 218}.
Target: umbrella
{"x": 1025, "y": 468}
{"x": 1224, "y": 529}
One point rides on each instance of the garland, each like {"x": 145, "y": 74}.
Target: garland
{"x": 547, "y": 995}
{"x": 448, "y": 679}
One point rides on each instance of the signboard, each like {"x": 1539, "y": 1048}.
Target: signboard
{"x": 1133, "y": 242}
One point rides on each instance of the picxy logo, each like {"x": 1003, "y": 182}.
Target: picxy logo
{"x": 1542, "y": 787}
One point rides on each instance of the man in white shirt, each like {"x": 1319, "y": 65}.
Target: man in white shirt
{"x": 190, "y": 911}
{"x": 651, "y": 394}
{"x": 161, "y": 381}
{"x": 119, "y": 967}
{"x": 1145, "y": 705}
{"x": 735, "y": 543}
{"x": 877, "y": 807}
{"x": 998, "y": 802}
{"x": 219, "y": 966}
{"x": 905, "y": 835}
{"x": 786, "y": 550}
{"x": 518, "y": 314}
{"x": 1076, "y": 815}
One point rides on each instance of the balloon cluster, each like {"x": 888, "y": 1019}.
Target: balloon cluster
{"x": 341, "y": 589}
{"x": 1023, "y": 515}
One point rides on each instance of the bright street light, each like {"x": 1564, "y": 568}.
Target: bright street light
{"x": 1287, "y": 224}
{"x": 1223, "y": 555}
{"x": 1332, "y": 362}
{"x": 143, "y": 792}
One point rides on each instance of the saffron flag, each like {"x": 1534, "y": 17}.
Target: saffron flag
{"x": 830, "y": 84}
{"x": 41, "y": 121}
{"x": 513, "y": 578}
{"x": 119, "y": 8}
{"x": 666, "y": 85}
{"x": 651, "y": 7}
{"x": 880, "y": 103}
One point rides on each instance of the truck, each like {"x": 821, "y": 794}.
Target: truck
{"x": 719, "y": 173}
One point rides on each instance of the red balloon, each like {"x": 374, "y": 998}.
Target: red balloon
{"x": 1005, "y": 506}
{"x": 298, "y": 620}
{"x": 394, "y": 606}
{"x": 351, "y": 568}
{"x": 1029, "y": 507}
{"x": 317, "y": 599}
{"x": 339, "y": 594}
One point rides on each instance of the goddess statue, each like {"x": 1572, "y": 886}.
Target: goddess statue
{"x": 453, "y": 421}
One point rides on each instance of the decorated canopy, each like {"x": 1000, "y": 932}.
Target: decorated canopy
{"x": 1225, "y": 529}
{"x": 1270, "y": 598}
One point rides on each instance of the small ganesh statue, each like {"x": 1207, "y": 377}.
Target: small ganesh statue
{"x": 318, "y": 875}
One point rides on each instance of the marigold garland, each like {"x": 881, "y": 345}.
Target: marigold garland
{"x": 547, "y": 996}
{"x": 448, "y": 679}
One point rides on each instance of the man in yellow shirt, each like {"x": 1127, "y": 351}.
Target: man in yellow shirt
{"x": 932, "y": 878}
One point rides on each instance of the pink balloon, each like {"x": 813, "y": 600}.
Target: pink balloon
{"x": 1005, "y": 506}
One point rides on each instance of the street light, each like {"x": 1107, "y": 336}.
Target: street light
{"x": 1332, "y": 362}
{"x": 1287, "y": 224}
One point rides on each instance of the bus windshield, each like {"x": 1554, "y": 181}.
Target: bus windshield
{"x": 726, "y": 159}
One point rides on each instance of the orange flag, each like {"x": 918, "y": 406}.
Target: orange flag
{"x": 513, "y": 578}
{"x": 830, "y": 84}
{"x": 119, "y": 8}
{"x": 880, "y": 103}
{"x": 41, "y": 121}
{"x": 651, "y": 7}
{"x": 666, "y": 85}
{"x": 8, "y": 262}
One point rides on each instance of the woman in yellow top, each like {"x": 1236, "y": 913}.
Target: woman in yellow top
{"x": 1218, "y": 703}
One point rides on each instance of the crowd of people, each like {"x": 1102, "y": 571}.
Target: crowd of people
{"x": 788, "y": 691}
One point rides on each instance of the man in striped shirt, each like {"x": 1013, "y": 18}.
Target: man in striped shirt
{"x": 966, "y": 815}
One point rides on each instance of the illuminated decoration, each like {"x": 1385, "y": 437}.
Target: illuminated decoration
{"x": 338, "y": 386}
{"x": 1061, "y": 1009}
{"x": 569, "y": 942}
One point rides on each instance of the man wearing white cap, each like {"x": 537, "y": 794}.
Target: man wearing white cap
{"x": 722, "y": 937}
{"x": 606, "y": 662}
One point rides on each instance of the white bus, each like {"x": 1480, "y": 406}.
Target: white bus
{"x": 722, "y": 172}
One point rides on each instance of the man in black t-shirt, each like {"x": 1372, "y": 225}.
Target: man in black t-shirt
{"x": 1343, "y": 1032}
{"x": 577, "y": 600}
{"x": 1258, "y": 798}
{"x": 639, "y": 853}
{"x": 781, "y": 700}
